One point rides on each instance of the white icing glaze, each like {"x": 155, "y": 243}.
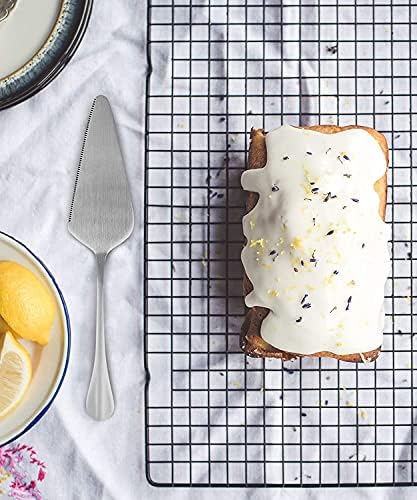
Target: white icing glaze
{"x": 309, "y": 257}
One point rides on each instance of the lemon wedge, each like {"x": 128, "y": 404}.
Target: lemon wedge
{"x": 3, "y": 326}
{"x": 15, "y": 373}
{"x": 27, "y": 307}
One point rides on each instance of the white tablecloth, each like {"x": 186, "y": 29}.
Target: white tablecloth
{"x": 40, "y": 145}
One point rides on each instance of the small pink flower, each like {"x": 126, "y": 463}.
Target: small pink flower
{"x": 24, "y": 468}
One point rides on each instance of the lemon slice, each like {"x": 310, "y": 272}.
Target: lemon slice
{"x": 15, "y": 373}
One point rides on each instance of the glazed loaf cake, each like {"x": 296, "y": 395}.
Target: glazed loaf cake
{"x": 316, "y": 254}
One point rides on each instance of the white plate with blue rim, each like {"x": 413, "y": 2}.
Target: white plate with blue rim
{"x": 37, "y": 39}
{"x": 49, "y": 363}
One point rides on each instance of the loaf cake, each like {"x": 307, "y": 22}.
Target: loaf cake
{"x": 316, "y": 255}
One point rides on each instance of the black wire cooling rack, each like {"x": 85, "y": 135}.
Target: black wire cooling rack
{"x": 213, "y": 416}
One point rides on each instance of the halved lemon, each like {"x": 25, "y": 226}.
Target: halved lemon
{"x": 27, "y": 307}
{"x": 15, "y": 373}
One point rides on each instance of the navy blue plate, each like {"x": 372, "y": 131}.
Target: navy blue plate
{"x": 46, "y": 65}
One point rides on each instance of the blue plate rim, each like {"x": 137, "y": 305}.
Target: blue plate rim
{"x": 44, "y": 410}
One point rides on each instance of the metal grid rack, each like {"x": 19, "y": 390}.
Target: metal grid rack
{"x": 213, "y": 416}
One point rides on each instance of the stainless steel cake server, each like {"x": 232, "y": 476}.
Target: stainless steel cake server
{"x": 101, "y": 218}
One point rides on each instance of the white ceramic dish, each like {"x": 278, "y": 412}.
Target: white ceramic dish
{"x": 24, "y": 33}
{"x": 37, "y": 39}
{"x": 50, "y": 362}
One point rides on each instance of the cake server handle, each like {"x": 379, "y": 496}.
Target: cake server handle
{"x": 100, "y": 399}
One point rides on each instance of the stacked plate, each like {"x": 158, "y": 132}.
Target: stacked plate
{"x": 37, "y": 39}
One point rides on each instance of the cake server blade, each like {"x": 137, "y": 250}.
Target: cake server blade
{"x": 101, "y": 214}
